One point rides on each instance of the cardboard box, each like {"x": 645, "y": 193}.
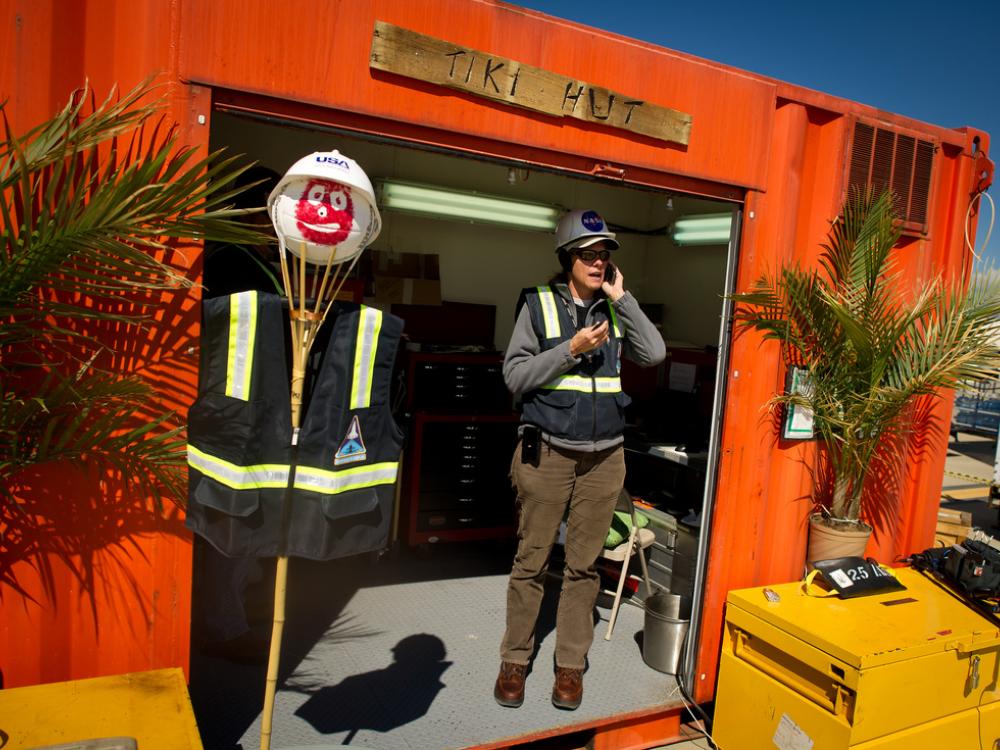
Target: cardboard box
{"x": 407, "y": 291}
{"x": 407, "y": 278}
{"x": 405, "y": 265}
{"x": 949, "y": 515}
{"x": 449, "y": 324}
{"x": 953, "y": 527}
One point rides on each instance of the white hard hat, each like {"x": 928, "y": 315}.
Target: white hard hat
{"x": 324, "y": 206}
{"x": 583, "y": 228}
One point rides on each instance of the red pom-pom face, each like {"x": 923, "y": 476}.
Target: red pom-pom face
{"x": 325, "y": 212}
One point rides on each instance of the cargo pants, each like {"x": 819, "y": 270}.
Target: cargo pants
{"x": 586, "y": 485}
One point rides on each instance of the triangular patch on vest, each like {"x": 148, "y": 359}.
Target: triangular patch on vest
{"x": 352, "y": 447}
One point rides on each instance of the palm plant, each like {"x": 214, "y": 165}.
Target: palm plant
{"x": 870, "y": 346}
{"x": 92, "y": 202}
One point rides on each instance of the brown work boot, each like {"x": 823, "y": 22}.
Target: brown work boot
{"x": 567, "y": 690}
{"x": 509, "y": 690}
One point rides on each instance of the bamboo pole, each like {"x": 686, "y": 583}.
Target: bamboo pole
{"x": 304, "y": 324}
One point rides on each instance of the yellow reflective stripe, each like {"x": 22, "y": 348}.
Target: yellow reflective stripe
{"x": 242, "y": 333}
{"x": 275, "y": 476}
{"x": 366, "y": 346}
{"x": 344, "y": 480}
{"x": 258, "y": 476}
{"x": 608, "y": 385}
{"x": 614, "y": 320}
{"x": 550, "y": 313}
{"x": 570, "y": 383}
{"x": 584, "y": 384}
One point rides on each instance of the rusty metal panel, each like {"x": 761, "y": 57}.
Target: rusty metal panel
{"x": 764, "y": 490}
{"x": 101, "y": 583}
{"x": 248, "y": 46}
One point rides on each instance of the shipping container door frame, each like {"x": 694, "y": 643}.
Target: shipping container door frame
{"x": 369, "y": 128}
{"x": 689, "y": 668}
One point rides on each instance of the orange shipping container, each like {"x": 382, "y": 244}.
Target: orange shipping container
{"x": 782, "y": 154}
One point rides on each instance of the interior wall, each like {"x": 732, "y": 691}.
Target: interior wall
{"x": 490, "y": 265}
{"x": 692, "y": 281}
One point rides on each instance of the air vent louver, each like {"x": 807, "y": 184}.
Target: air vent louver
{"x": 882, "y": 158}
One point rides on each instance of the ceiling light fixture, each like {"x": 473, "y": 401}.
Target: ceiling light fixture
{"x": 464, "y": 205}
{"x": 705, "y": 229}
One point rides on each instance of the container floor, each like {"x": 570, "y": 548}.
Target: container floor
{"x": 402, "y": 653}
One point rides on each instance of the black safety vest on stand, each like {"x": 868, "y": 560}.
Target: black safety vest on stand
{"x": 239, "y": 434}
{"x": 586, "y": 403}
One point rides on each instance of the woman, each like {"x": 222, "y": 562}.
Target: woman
{"x": 564, "y": 361}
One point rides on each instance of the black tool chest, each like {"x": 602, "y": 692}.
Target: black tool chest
{"x": 462, "y": 437}
{"x": 459, "y": 383}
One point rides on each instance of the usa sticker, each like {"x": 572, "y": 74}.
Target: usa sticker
{"x": 333, "y": 161}
{"x": 352, "y": 447}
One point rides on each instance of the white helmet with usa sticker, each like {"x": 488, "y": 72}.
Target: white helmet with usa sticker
{"x": 324, "y": 209}
{"x": 582, "y": 228}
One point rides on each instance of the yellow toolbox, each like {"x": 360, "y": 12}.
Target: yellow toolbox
{"x": 904, "y": 670}
{"x": 145, "y": 710}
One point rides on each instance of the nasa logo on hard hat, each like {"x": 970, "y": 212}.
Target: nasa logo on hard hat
{"x": 582, "y": 228}
{"x": 323, "y": 209}
{"x": 592, "y": 221}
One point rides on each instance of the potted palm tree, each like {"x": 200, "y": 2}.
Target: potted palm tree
{"x": 869, "y": 347}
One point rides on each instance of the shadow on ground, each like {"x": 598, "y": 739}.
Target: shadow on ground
{"x": 968, "y": 472}
{"x": 976, "y": 447}
{"x": 228, "y": 697}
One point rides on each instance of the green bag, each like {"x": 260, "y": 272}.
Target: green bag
{"x": 621, "y": 525}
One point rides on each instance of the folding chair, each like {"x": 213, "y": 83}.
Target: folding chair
{"x": 638, "y": 540}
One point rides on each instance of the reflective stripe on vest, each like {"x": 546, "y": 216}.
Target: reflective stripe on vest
{"x": 344, "y": 480}
{"x": 614, "y": 319}
{"x": 275, "y": 476}
{"x": 242, "y": 332}
{"x": 369, "y": 326}
{"x": 584, "y": 384}
{"x": 261, "y": 476}
{"x": 550, "y": 313}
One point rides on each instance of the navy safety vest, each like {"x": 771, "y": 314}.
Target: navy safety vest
{"x": 586, "y": 403}
{"x": 239, "y": 433}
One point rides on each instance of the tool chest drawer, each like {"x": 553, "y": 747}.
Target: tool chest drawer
{"x": 473, "y": 518}
{"x": 484, "y": 497}
{"x": 464, "y": 457}
{"x": 458, "y": 484}
{"x": 457, "y": 383}
{"x": 448, "y": 444}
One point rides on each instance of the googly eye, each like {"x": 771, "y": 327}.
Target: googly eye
{"x": 322, "y": 212}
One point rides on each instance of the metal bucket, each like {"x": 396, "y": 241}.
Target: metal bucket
{"x": 664, "y": 629}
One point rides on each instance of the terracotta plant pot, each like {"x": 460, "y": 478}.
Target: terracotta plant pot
{"x": 827, "y": 542}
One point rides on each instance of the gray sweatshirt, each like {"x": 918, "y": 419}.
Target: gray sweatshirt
{"x": 526, "y": 367}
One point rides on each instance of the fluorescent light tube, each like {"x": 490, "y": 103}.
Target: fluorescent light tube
{"x": 707, "y": 229}
{"x": 427, "y": 200}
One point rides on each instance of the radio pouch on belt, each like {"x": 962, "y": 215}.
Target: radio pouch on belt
{"x": 531, "y": 445}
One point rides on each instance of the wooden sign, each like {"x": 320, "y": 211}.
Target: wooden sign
{"x": 407, "y": 53}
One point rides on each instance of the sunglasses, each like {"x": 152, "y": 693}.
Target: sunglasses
{"x": 589, "y": 255}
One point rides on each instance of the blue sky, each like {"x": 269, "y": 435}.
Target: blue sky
{"x": 936, "y": 63}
